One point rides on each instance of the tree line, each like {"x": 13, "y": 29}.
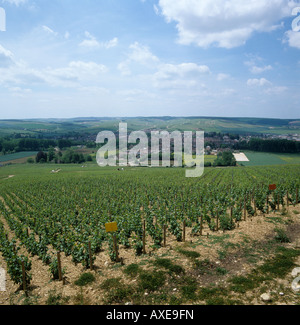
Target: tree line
{"x": 270, "y": 145}
{"x": 68, "y": 157}
{"x": 27, "y": 144}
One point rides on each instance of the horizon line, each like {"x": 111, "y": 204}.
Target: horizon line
{"x": 154, "y": 117}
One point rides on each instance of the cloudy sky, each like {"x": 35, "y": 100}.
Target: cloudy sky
{"x": 75, "y": 58}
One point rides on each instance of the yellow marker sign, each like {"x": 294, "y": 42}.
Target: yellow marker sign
{"x": 111, "y": 227}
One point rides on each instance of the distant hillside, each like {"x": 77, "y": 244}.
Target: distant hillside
{"x": 93, "y": 125}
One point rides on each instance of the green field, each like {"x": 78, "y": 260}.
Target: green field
{"x": 17, "y": 156}
{"x": 266, "y": 159}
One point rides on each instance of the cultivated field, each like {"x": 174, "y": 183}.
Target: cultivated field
{"x": 267, "y": 159}
{"x": 17, "y": 158}
{"x": 222, "y": 239}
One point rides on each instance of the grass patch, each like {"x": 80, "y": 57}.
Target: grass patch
{"x": 111, "y": 283}
{"x": 217, "y": 296}
{"x": 189, "y": 254}
{"x": 281, "y": 264}
{"x": 204, "y": 266}
{"x": 120, "y": 295}
{"x": 56, "y": 299}
{"x": 175, "y": 301}
{"x": 152, "y": 281}
{"x": 157, "y": 298}
{"x": 276, "y": 267}
{"x": 132, "y": 270}
{"x": 281, "y": 236}
{"x": 80, "y": 299}
{"x": 84, "y": 279}
{"x": 222, "y": 254}
{"x": 116, "y": 291}
{"x": 188, "y": 290}
{"x": 212, "y": 294}
{"x": 275, "y": 220}
{"x": 168, "y": 264}
{"x": 187, "y": 286}
{"x": 221, "y": 271}
{"x": 214, "y": 239}
{"x": 242, "y": 284}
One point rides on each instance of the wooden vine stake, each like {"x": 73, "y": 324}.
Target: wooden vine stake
{"x": 116, "y": 247}
{"x": 287, "y": 199}
{"x": 183, "y": 232}
{"x": 217, "y": 220}
{"x": 112, "y": 228}
{"x": 297, "y": 193}
{"x": 59, "y": 267}
{"x": 201, "y": 225}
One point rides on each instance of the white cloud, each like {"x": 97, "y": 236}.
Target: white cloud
{"x": 276, "y": 90}
{"x": 255, "y": 65}
{"x": 49, "y": 30}
{"x": 140, "y": 54}
{"x": 19, "y": 73}
{"x": 258, "y": 70}
{"x": 124, "y": 68}
{"x": 76, "y": 72}
{"x": 6, "y": 57}
{"x": 112, "y": 43}
{"x": 169, "y": 71}
{"x": 222, "y": 23}
{"x": 92, "y": 43}
{"x": 293, "y": 39}
{"x": 15, "y": 2}
{"x": 222, "y": 76}
{"x": 156, "y": 9}
{"x": 258, "y": 82}
{"x": 19, "y": 92}
{"x": 184, "y": 75}
{"x": 16, "y": 74}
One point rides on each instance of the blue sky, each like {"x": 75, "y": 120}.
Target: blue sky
{"x": 75, "y": 58}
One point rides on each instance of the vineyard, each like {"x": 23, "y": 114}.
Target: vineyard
{"x": 52, "y": 227}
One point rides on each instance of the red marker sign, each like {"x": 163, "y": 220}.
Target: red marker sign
{"x": 272, "y": 187}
